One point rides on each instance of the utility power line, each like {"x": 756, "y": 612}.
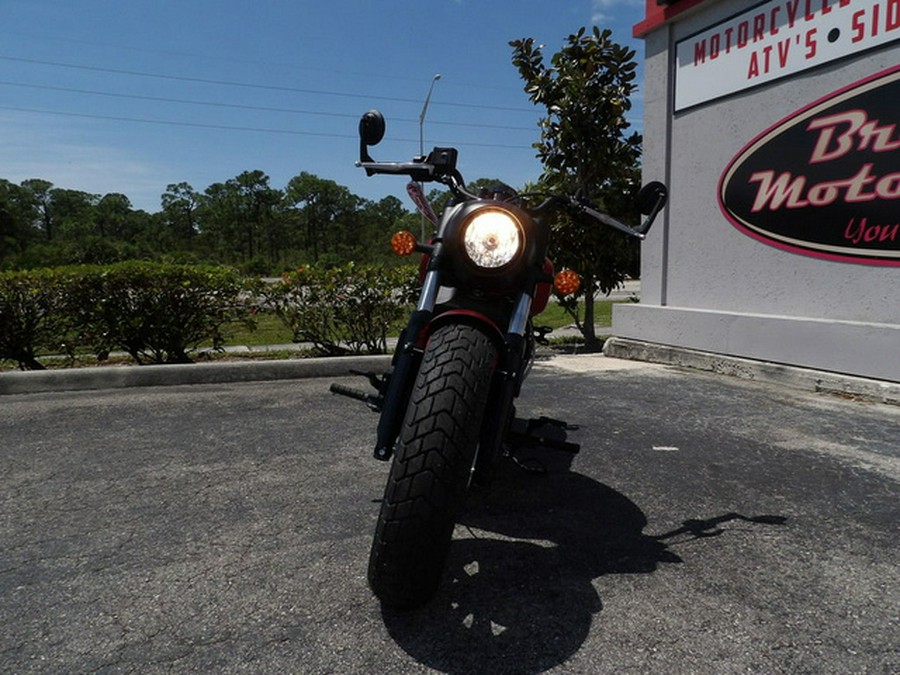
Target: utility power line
{"x": 240, "y": 106}
{"x": 254, "y": 85}
{"x": 255, "y": 62}
{"x": 225, "y": 127}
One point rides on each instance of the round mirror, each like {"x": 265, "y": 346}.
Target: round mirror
{"x": 371, "y": 127}
{"x": 648, "y": 197}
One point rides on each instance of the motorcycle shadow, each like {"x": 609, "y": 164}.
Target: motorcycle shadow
{"x": 518, "y": 593}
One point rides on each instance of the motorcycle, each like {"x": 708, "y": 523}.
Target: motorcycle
{"x": 447, "y": 402}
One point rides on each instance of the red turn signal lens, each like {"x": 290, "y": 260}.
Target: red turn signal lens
{"x": 403, "y": 243}
{"x": 567, "y": 282}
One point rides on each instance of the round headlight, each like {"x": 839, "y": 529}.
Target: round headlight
{"x": 492, "y": 238}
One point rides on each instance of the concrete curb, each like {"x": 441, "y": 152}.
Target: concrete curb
{"x": 761, "y": 371}
{"x": 214, "y": 372}
{"x": 114, "y": 377}
{"x": 223, "y": 372}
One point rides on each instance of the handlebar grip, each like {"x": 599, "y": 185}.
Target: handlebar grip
{"x": 417, "y": 171}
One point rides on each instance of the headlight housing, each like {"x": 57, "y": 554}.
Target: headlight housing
{"x": 492, "y": 238}
{"x": 492, "y": 247}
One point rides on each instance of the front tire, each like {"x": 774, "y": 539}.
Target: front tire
{"x": 428, "y": 476}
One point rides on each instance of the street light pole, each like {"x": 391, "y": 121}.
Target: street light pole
{"x": 422, "y": 135}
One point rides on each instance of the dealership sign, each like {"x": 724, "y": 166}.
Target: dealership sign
{"x": 776, "y": 39}
{"x": 825, "y": 182}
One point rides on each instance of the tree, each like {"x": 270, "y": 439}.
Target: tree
{"x": 586, "y": 91}
{"x": 40, "y": 191}
{"x": 179, "y": 207}
{"x": 377, "y": 222}
{"x": 17, "y": 215}
{"x": 327, "y": 210}
{"x": 72, "y": 212}
{"x": 384, "y": 214}
{"x": 239, "y": 221}
{"x": 112, "y": 217}
{"x": 239, "y": 215}
{"x": 255, "y": 202}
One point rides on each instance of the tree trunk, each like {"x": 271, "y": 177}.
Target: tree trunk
{"x": 587, "y": 327}
{"x": 27, "y": 361}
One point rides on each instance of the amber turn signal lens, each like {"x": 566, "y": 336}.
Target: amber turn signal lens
{"x": 567, "y": 282}
{"x": 403, "y": 243}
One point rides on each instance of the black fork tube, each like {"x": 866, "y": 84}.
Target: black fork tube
{"x": 406, "y": 361}
{"x": 403, "y": 373}
{"x": 502, "y": 410}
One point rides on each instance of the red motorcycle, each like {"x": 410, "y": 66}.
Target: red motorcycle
{"x": 447, "y": 402}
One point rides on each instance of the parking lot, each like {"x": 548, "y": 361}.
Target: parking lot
{"x": 709, "y": 525}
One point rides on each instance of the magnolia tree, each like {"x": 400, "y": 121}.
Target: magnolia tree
{"x": 585, "y": 147}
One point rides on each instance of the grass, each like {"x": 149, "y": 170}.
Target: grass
{"x": 270, "y": 330}
{"x": 556, "y": 317}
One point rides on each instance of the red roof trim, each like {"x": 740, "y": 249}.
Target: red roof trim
{"x": 657, "y": 14}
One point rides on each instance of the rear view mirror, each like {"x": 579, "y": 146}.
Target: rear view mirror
{"x": 371, "y": 127}
{"x": 650, "y": 200}
{"x": 371, "y": 131}
{"x": 648, "y": 197}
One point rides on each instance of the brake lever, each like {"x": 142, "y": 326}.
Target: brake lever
{"x": 417, "y": 171}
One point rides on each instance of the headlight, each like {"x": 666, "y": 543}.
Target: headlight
{"x": 492, "y": 238}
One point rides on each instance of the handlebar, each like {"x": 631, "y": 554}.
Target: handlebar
{"x": 606, "y": 219}
{"x": 582, "y": 207}
{"x": 418, "y": 171}
{"x": 440, "y": 166}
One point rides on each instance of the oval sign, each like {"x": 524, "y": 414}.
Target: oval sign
{"x": 825, "y": 182}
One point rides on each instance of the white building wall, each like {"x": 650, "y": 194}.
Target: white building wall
{"x": 708, "y": 286}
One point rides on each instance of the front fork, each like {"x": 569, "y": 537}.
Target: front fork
{"x": 408, "y": 358}
{"x": 507, "y": 385}
{"x": 405, "y": 364}
{"x": 504, "y": 431}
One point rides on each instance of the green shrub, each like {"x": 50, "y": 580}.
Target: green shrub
{"x": 33, "y": 316}
{"x": 158, "y": 313}
{"x": 341, "y": 310}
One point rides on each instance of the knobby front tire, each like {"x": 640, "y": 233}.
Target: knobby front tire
{"x": 429, "y": 473}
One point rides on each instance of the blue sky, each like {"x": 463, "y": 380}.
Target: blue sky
{"x": 131, "y": 95}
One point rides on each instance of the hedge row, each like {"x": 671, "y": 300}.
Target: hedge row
{"x": 161, "y": 313}
{"x": 341, "y": 310}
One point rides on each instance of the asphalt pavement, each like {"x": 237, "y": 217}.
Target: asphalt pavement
{"x": 709, "y": 525}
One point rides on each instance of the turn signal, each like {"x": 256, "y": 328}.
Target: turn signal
{"x": 567, "y": 282}
{"x": 403, "y": 243}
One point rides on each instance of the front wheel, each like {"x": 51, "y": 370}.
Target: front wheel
{"x": 429, "y": 473}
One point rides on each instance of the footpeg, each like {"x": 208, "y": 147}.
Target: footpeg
{"x": 373, "y": 401}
